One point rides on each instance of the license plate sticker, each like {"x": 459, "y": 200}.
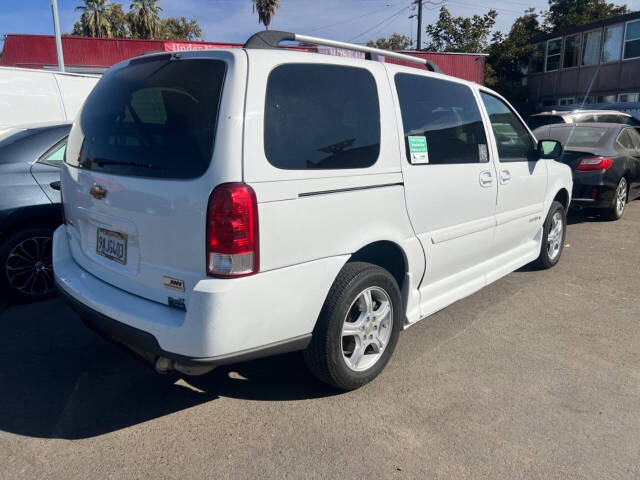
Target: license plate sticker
{"x": 112, "y": 245}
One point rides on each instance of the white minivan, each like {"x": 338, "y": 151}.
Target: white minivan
{"x": 233, "y": 204}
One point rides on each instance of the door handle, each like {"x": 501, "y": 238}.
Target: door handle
{"x": 505, "y": 176}
{"x": 55, "y": 185}
{"x": 486, "y": 179}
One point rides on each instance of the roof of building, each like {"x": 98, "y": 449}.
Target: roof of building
{"x": 587, "y": 26}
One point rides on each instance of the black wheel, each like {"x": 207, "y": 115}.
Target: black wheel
{"x": 553, "y": 235}
{"x": 26, "y": 270}
{"x": 619, "y": 202}
{"x": 358, "y": 327}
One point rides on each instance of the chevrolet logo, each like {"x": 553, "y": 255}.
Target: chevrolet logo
{"x": 98, "y": 192}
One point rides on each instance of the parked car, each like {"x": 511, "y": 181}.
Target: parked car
{"x": 605, "y": 160}
{"x": 30, "y": 160}
{"x": 582, "y": 116}
{"x": 233, "y": 204}
{"x": 34, "y": 96}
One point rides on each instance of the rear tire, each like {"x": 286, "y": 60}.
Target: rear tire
{"x": 553, "y": 235}
{"x": 26, "y": 270}
{"x": 358, "y": 327}
{"x": 619, "y": 202}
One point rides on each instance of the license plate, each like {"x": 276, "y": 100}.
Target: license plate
{"x": 112, "y": 245}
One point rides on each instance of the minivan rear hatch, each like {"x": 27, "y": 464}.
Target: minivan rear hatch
{"x": 138, "y": 177}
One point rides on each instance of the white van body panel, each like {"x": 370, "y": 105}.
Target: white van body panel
{"x": 36, "y": 96}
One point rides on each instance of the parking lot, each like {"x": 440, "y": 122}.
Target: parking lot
{"x": 536, "y": 376}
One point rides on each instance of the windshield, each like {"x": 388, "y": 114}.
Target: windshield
{"x": 155, "y": 117}
{"x": 573, "y": 136}
{"x": 536, "y": 121}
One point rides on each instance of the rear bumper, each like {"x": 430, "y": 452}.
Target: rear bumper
{"x": 592, "y": 196}
{"x": 226, "y": 320}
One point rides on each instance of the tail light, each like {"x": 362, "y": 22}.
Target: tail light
{"x": 232, "y": 231}
{"x": 596, "y": 163}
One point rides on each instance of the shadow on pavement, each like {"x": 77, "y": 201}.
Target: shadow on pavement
{"x": 60, "y": 380}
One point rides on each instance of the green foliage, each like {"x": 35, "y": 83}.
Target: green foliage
{"x": 174, "y": 28}
{"x": 266, "y": 10}
{"x": 568, "y": 13}
{"x": 144, "y": 20}
{"x": 102, "y": 18}
{"x": 509, "y": 55}
{"x": 461, "y": 34}
{"x": 394, "y": 42}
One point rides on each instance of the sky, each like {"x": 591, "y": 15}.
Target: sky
{"x": 233, "y": 20}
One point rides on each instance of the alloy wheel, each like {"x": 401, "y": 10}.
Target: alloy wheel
{"x": 29, "y": 267}
{"x": 555, "y": 236}
{"x": 621, "y": 196}
{"x": 367, "y": 329}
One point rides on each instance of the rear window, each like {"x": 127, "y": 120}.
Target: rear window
{"x": 155, "y": 117}
{"x": 578, "y": 136}
{"x": 536, "y": 121}
{"x": 321, "y": 117}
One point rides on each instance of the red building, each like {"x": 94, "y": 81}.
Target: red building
{"x": 94, "y": 55}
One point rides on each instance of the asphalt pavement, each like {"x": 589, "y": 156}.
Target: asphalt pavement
{"x": 535, "y": 376}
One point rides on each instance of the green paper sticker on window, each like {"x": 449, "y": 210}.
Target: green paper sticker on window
{"x": 418, "y": 149}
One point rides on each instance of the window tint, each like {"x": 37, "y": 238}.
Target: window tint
{"x": 591, "y": 48}
{"x": 155, "y": 117}
{"x": 632, "y": 40}
{"x": 321, "y": 117}
{"x": 635, "y": 138}
{"x": 512, "y": 138}
{"x": 571, "y": 51}
{"x": 612, "y": 44}
{"x": 445, "y": 116}
{"x": 536, "y": 121}
{"x": 624, "y": 139}
{"x": 582, "y": 136}
{"x": 554, "y": 47}
{"x": 610, "y": 119}
{"x": 55, "y": 156}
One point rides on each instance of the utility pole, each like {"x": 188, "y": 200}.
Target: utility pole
{"x": 56, "y": 29}
{"x": 419, "y": 40}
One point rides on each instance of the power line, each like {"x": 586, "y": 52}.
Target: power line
{"x": 380, "y": 23}
{"x": 351, "y": 18}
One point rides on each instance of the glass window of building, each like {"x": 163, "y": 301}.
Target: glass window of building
{"x": 571, "y": 51}
{"x": 536, "y": 61}
{"x": 632, "y": 40}
{"x": 591, "y": 48}
{"x": 612, "y": 44}
{"x": 554, "y": 48}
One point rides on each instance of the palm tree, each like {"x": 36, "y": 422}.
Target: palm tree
{"x": 144, "y": 19}
{"x": 95, "y": 18}
{"x": 266, "y": 10}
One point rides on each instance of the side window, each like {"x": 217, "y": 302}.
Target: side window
{"x": 55, "y": 156}
{"x": 512, "y": 138}
{"x": 635, "y": 138}
{"x": 441, "y": 121}
{"x": 625, "y": 140}
{"x": 610, "y": 119}
{"x": 321, "y": 117}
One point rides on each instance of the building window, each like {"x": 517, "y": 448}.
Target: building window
{"x": 628, "y": 97}
{"x": 536, "y": 61}
{"x": 590, "y": 99}
{"x": 606, "y": 99}
{"x": 612, "y": 44}
{"x": 566, "y": 101}
{"x": 571, "y": 51}
{"x": 548, "y": 102}
{"x": 554, "y": 48}
{"x": 591, "y": 48}
{"x": 632, "y": 40}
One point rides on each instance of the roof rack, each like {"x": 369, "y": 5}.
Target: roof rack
{"x": 270, "y": 39}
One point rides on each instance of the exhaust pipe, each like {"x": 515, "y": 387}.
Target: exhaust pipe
{"x": 166, "y": 365}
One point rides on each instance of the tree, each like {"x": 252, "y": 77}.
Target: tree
{"x": 118, "y": 21}
{"x": 143, "y": 18}
{"x": 568, "y": 13}
{"x": 174, "y": 28}
{"x": 266, "y": 10}
{"x": 509, "y": 56}
{"x": 461, "y": 34}
{"x": 394, "y": 42}
{"x": 95, "y": 19}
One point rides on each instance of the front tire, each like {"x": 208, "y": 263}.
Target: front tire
{"x": 620, "y": 197}
{"x": 553, "y": 235}
{"x": 358, "y": 327}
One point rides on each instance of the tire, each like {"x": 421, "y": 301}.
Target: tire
{"x": 619, "y": 202}
{"x": 330, "y": 355}
{"x": 26, "y": 271}
{"x": 552, "y": 237}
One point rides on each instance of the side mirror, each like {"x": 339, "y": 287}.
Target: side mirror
{"x": 549, "y": 149}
